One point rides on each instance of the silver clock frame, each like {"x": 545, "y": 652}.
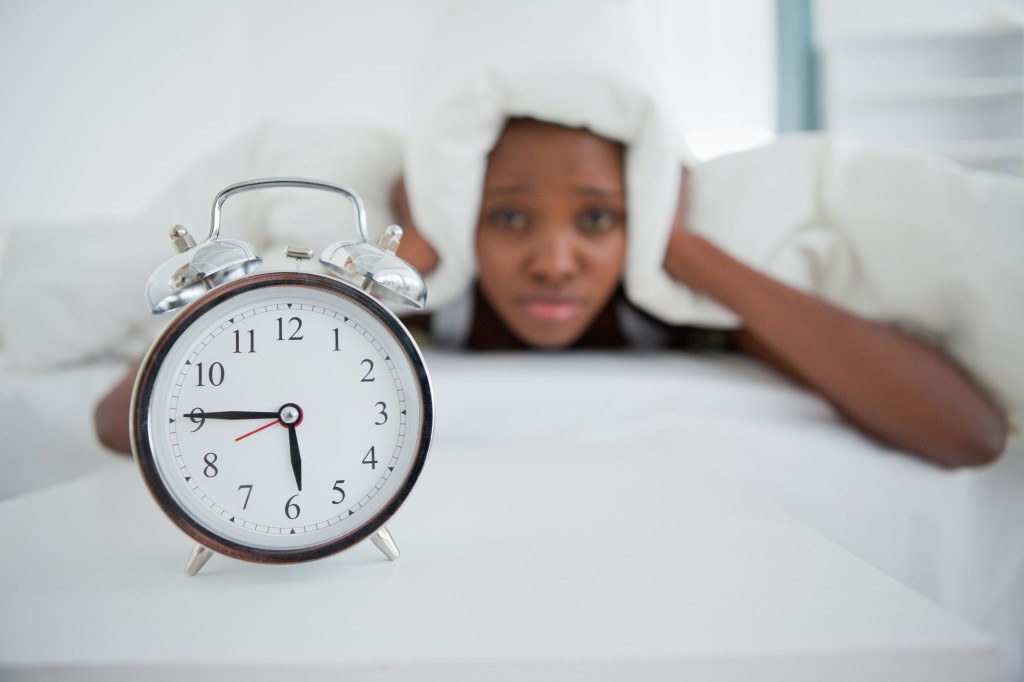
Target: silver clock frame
{"x": 202, "y": 275}
{"x": 142, "y": 432}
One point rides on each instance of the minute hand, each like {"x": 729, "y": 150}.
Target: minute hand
{"x": 235, "y": 414}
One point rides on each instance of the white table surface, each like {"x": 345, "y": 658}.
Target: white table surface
{"x": 513, "y": 565}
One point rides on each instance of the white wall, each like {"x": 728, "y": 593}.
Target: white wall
{"x": 106, "y": 101}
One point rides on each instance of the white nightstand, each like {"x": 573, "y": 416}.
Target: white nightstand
{"x": 504, "y": 575}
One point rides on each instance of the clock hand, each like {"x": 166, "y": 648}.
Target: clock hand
{"x": 265, "y": 426}
{"x": 293, "y": 446}
{"x": 199, "y": 416}
{"x": 290, "y": 416}
{"x": 198, "y": 413}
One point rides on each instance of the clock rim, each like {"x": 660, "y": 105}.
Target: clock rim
{"x": 139, "y": 418}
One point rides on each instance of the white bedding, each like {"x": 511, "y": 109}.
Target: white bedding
{"x": 46, "y": 424}
{"x": 902, "y": 238}
{"x": 956, "y": 537}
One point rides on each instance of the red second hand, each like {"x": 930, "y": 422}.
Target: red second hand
{"x": 265, "y": 426}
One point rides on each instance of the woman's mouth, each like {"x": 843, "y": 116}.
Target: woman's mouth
{"x": 552, "y": 308}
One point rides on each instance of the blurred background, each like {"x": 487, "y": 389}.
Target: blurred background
{"x": 105, "y": 102}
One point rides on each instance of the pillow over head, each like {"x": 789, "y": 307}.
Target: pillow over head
{"x": 578, "y": 63}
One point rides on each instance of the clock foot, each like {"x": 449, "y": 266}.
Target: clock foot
{"x": 385, "y": 543}
{"x": 197, "y": 559}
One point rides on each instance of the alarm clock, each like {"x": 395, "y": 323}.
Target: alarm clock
{"x": 282, "y": 417}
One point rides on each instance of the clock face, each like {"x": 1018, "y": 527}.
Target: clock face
{"x": 282, "y": 418}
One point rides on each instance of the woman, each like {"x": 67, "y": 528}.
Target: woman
{"x": 550, "y": 251}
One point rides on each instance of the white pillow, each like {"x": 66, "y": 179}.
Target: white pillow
{"x": 904, "y": 238}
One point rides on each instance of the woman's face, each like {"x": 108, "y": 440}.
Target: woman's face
{"x": 551, "y": 238}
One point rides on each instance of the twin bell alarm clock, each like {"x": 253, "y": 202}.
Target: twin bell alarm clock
{"x": 282, "y": 416}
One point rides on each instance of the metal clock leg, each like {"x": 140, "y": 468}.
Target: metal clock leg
{"x": 197, "y": 559}
{"x": 385, "y": 543}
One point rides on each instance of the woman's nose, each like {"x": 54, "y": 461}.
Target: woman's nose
{"x": 555, "y": 256}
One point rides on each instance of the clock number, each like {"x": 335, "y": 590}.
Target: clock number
{"x": 337, "y": 487}
{"x": 295, "y": 336}
{"x": 210, "y": 470}
{"x": 367, "y": 377}
{"x": 197, "y": 416}
{"x": 238, "y": 341}
{"x": 337, "y": 339}
{"x": 215, "y": 376}
{"x": 383, "y": 413}
{"x": 291, "y": 510}
{"x": 248, "y": 493}
{"x": 371, "y": 459}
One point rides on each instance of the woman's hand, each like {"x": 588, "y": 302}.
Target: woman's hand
{"x": 684, "y": 246}
{"x": 680, "y": 236}
{"x": 414, "y": 249}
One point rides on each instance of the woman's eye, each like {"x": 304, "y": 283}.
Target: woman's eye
{"x": 507, "y": 220}
{"x": 600, "y": 220}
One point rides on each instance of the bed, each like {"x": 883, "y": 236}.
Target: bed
{"x": 71, "y": 325}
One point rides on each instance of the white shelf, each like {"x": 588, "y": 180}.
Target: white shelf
{"x": 957, "y": 92}
{"x": 982, "y": 150}
{"x": 837, "y": 20}
{"x": 939, "y": 88}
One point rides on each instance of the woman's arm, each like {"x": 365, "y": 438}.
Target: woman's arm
{"x": 892, "y": 386}
{"x": 111, "y": 415}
